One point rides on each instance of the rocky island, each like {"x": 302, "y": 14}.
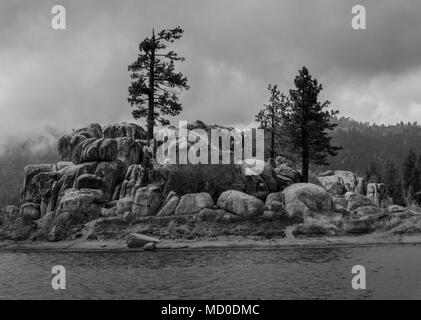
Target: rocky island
{"x": 108, "y": 192}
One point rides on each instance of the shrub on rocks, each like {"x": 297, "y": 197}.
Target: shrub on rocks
{"x": 359, "y": 225}
{"x": 315, "y": 228}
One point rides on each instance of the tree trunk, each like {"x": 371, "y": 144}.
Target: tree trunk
{"x": 305, "y": 150}
{"x": 304, "y": 165}
{"x": 151, "y": 93}
{"x": 272, "y": 142}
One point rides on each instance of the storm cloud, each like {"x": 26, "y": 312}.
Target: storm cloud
{"x": 233, "y": 50}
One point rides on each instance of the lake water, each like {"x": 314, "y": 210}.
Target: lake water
{"x": 392, "y": 272}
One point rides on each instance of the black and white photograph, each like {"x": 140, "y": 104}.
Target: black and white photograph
{"x": 210, "y": 156}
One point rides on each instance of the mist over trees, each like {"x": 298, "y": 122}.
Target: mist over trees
{"x": 15, "y": 155}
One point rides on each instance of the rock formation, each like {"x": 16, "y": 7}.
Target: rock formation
{"x": 108, "y": 171}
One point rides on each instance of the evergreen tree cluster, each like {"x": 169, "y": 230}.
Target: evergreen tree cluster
{"x": 402, "y": 181}
{"x": 299, "y": 123}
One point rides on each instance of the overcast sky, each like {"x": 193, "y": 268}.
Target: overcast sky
{"x": 233, "y": 49}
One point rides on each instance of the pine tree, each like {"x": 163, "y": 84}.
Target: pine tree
{"x": 392, "y": 182}
{"x": 373, "y": 172}
{"x": 410, "y": 176}
{"x": 270, "y": 116}
{"x": 153, "y": 91}
{"x": 306, "y": 123}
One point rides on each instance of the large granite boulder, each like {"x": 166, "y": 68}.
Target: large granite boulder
{"x": 42, "y": 184}
{"x": 76, "y": 207}
{"x": 68, "y": 142}
{"x": 37, "y": 180}
{"x": 194, "y": 203}
{"x": 62, "y": 224}
{"x": 124, "y": 205}
{"x": 137, "y": 240}
{"x": 30, "y": 212}
{"x": 124, "y": 129}
{"x": 89, "y": 181}
{"x": 86, "y": 201}
{"x": 340, "y": 204}
{"x": 241, "y": 204}
{"x": 332, "y": 184}
{"x": 256, "y": 186}
{"x": 376, "y": 192}
{"x": 67, "y": 176}
{"x": 95, "y": 150}
{"x": 129, "y": 150}
{"x": 132, "y": 181}
{"x": 275, "y": 202}
{"x": 306, "y": 199}
{"x": 339, "y": 182}
{"x": 361, "y": 205}
{"x": 169, "y": 207}
{"x": 286, "y": 176}
{"x": 269, "y": 176}
{"x": 147, "y": 201}
{"x": 112, "y": 174}
{"x": 210, "y": 178}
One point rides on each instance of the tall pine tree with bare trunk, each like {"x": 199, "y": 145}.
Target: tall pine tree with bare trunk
{"x": 306, "y": 123}
{"x": 155, "y": 84}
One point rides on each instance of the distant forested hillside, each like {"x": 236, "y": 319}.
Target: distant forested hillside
{"x": 364, "y": 143}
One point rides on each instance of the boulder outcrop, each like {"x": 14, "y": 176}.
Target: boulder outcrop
{"x": 147, "y": 201}
{"x": 306, "y": 199}
{"x": 361, "y": 205}
{"x": 339, "y": 182}
{"x": 137, "y": 240}
{"x": 194, "y": 203}
{"x": 241, "y": 204}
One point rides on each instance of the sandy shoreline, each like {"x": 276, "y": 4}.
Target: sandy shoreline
{"x": 217, "y": 244}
